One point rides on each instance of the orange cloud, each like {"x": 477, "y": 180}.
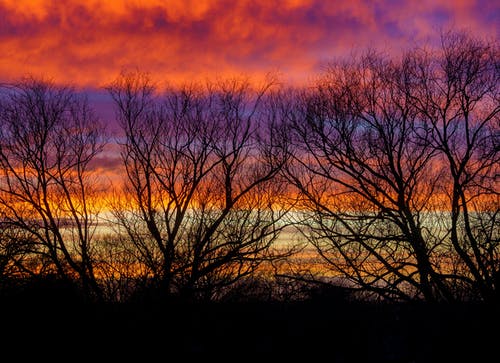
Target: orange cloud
{"x": 88, "y": 42}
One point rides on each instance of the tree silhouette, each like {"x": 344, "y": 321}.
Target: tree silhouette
{"x": 15, "y": 252}
{"x": 388, "y": 166}
{"x": 457, "y": 95}
{"x": 48, "y": 137}
{"x": 201, "y": 166}
{"x": 371, "y": 142}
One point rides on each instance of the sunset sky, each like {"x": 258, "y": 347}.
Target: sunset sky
{"x": 381, "y": 181}
{"x": 87, "y": 43}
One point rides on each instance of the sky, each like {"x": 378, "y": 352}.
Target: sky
{"x": 87, "y": 43}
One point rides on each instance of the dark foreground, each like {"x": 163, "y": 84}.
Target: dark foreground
{"x": 67, "y": 330}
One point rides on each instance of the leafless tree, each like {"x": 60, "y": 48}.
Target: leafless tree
{"x": 203, "y": 192}
{"x": 371, "y": 141}
{"x": 117, "y": 262}
{"x": 359, "y": 163}
{"x": 48, "y": 137}
{"x": 456, "y": 93}
{"x": 15, "y": 253}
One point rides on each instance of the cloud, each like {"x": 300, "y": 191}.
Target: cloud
{"x": 88, "y": 42}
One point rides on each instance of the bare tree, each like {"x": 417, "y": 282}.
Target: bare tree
{"x": 202, "y": 165}
{"x": 15, "y": 253}
{"x": 48, "y": 137}
{"x": 122, "y": 275}
{"x": 360, "y": 162}
{"x": 457, "y": 95}
{"x": 371, "y": 141}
